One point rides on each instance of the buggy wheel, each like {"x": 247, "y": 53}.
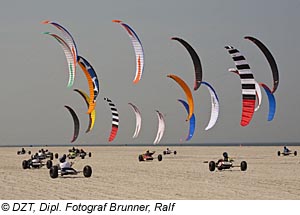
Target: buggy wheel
{"x": 165, "y": 152}
{"x": 175, "y": 152}
{"x": 25, "y": 164}
{"x": 49, "y": 164}
{"x": 53, "y": 172}
{"x": 295, "y": 153}
{"x": 212, "y": 166}
{"x": 243, "y": 166}
{"x": 141, "y": 158}
{"x": 56, "y": 155}
{"x": 29, "y": 152}
{"x": 18, "y": 152}
{"x": 51, "y": 156}
{"x": 87, "y": 171}
{"x": 278, "y": 153}
{"x": 159, "y": 157}
{"x": 90, "y": 154}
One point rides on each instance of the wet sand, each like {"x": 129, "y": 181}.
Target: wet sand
{"x": 117, "y": 174}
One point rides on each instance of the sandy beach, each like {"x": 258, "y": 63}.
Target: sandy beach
{"x": 117, "y": 174}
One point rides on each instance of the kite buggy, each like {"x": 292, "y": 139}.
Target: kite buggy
{"x": 65, "y": 168}
{"x": 36, "y": 162}
{"x": 22, "y": 152}
{"x": 287, "y": 152}
{"x": 226, "y": 163}
{"x": 75, "y": 152}
{"x": 168, "y": 152}
{"x": 148, "y": 156}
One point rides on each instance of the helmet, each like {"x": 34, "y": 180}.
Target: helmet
{"x": 225, "y": 155}
{"x": 62, "y": 159}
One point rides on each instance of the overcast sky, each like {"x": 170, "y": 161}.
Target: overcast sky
{"x": 34, "y": 75}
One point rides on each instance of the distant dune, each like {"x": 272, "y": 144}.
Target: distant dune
{"x": 117, "y": 174}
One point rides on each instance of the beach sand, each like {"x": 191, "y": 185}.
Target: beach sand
{"x": 118, "y": 175}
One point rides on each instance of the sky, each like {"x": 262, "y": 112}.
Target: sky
{"x": 33, "y": 86}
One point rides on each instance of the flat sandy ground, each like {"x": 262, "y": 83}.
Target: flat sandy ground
{"x": 117, "y": 174}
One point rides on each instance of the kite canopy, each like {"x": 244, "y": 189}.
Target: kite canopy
{"x": 69, "y": 56}
{"x": 92, "y": 115}
{"x": 76, "y": 123}
{"x": 192, "y": 120}
{"x": 257, "y": 89}
{"x": 214, "y": 106}
{"x": 161, "y": 127}
{"x": 115, "y": 119}
{"x": 272, "y": 101}
{"x": 195, "y": 59}
{"x": 138, "y": 119}
{"x": 248, "y": 85}
{"x": 138, "y": 49}
{"x": 67, "y": 37}
{"x": 270, "y": 59}
{"x": 69, "y": 42}
{"x": 92, "y": 87}
{"x": 188, "y": 94}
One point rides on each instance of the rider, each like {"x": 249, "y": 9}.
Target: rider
{"x": 40, "y": 153}
{"x": 64, "y": 164}
{"x": 286, "y": 150}
{"x": 82, "y": 151}
{"x": 149, "y": 153}
{"x": 225, "y": 156}
{"x": 35, "y": 156}
{"x": 35, "y": 160}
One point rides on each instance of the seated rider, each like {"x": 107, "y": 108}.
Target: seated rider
{"x": 168, "y": 150}
{"x": 23, "y": 151}
{"x": 225, "y": 158}
{"x": 64, "y": 164}
{"x": 225, "y": 155}
{"x": 149, "y": 153}
{"x": 35, "y": 156}
{"x": 35, "y": 160}
{"x": 40, "y": 153}
{"x": 286, "y": 150}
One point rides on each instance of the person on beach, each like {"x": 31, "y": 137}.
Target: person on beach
{"x": 225, "y": 156}
{"x": 64, "y": 164}
{"x": 224, "y": 159}
{"x": 286, "y": 150}
{"x": 149, "y": 153}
